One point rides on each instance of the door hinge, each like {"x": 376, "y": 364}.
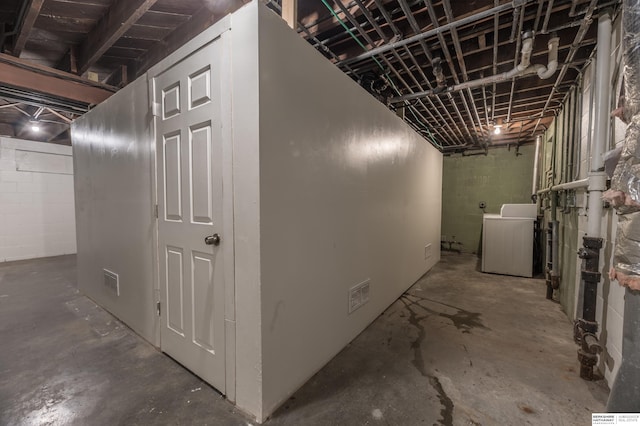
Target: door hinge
{"x": 155, "y": 109}
{"x": 155, "y": 211}
{"x": 158, "y": 308}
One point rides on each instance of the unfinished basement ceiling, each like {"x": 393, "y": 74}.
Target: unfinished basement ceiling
{"x": 390, "y": 47}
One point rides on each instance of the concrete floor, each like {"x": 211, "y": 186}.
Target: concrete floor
{"x": 459, "y": 348}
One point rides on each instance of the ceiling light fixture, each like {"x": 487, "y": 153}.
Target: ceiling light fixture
{"x": 35, "y": 126}
{"x": 497, "y": 127}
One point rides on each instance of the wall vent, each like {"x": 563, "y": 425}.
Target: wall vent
{"x": 111, "y": 281}
{"x": 427, "y": 251}
{"x": 358, "y": 295}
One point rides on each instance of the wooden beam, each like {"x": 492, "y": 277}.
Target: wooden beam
{"x": 200, "y": 21}
{"x": 24, "y": 75}
{"x": 120, "y": 17}
{"x": 32, "y": 12}
{"x": 290, "y": 13}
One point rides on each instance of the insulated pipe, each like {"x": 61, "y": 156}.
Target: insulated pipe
{"x": 625, "y": 392}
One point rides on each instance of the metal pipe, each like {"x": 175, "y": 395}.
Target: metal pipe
{"x": 518, "y": 71}
{"x": 547, "y": 16}
{"x": 432, "y": 32}
{"x": 416, "y": 28}
{"x": 582, "y": 31}
{"x": 597, "y": 185}
{"x": 455, "y": 137}
{"x": 460, "y": 56}
{"x": 527, "y": 47}
{"x": 587, "y": 327}
{"x": 514, "y": 26}
{"x": 536, "y": 164}
{"x": 368, "y": 39}
{"x": 549, "y": 261}
{"x": 496, "y": 22}
{"x": 578, "y": 123}
{"x": 576, "y": 184}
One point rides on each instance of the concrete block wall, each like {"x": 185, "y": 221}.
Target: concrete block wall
{"x": 37, "y": 216}
{"x": 500, "y": 177}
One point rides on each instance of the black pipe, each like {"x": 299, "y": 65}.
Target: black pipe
{"x": 625, "y": 393}
{"x": 549, "y": 260}
{"x": 587, "y": 327}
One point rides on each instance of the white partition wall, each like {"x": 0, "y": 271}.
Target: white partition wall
{"x": 36, "y": 200}
{"x": 331, "y": 205}
{"x": 113, "y": 157}
{"x": 348, "y": 194}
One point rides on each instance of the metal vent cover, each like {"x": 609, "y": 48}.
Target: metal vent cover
{"x": 111, "y": 281}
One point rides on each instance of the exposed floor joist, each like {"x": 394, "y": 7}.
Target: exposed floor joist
{"x": 19, "y": 74}
{"x": 31, "y": 14}
{"x": 120, "y": 17}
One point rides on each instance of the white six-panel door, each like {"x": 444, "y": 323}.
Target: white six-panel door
{"x": 190, "y": 214}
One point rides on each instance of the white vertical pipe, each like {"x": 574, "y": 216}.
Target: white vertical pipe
{"x": 536, "y": 165}
{"x": 597, "y": 178}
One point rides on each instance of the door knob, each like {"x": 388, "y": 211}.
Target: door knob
{"x": 212, "y": 240}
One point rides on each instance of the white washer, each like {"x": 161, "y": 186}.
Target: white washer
{"x": 507, "y": 245}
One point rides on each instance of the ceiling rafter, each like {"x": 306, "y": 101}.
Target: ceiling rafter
{"x": 120, "y": 17}
{"x": 31, "y": 14}
{"x": 17, "y": 74}
{"x": 200, "y": 21}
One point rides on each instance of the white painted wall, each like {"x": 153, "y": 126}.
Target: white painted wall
{"x": 329, "y": 188}
{"x": 348, "y": 192}
{"x": 36, "y": 200}
{"x": 113, "y": 155}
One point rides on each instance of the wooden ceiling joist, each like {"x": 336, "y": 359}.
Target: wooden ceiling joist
{"x": 29, "y": 19}
{"x": 23, "y": 75}
{"x": 120, "y": 17}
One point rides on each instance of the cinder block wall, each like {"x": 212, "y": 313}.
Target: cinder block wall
{"x": 500, "y": 177}
{"x": 37, "y": 217}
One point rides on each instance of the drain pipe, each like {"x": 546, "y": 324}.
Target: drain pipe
{"x": 587, "y": 327}
{"x": 522, "y": 69}
{"x": 625, "y": 392}
{"x": 536, "y": 166}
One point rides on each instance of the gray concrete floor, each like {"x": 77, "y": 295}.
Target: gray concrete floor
{"x": 459, "y": 348}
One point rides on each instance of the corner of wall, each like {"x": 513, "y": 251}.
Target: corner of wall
{"x": 246, "y": 215}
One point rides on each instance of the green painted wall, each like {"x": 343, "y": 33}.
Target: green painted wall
{"x": 498, "y": 178}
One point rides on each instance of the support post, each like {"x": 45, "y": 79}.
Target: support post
{"x": 290, "y": 12}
